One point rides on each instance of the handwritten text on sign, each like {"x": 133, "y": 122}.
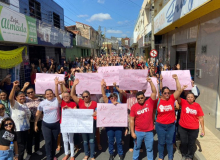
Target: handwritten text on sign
{"x": 133, "y": 79}
{"x": 46, "y": 81}
{"x": 90, "y": 82}
{"x": 148, "y": 90}
{"x": 77, "y": 121}
{"x": 110, "y": 115}
{"x": 184, "y": 77}
{"x": 110, "y": 74}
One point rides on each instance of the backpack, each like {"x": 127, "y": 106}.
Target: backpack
{"x": 157, "y": 108}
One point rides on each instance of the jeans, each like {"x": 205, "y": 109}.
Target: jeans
{"x": 22, "y": 141}
{"x": 6, "y": 155}
{"x": 50, "y": 133}
{"x": 148, "y": 138}
{"x": 89, "y": 138}
{"x": 34, "y": 135}
{"x": 165, "y": 134}
{"x": 188, "y": 139}
{"x": 115, "y": 133}
{"x": 68, "y": 139}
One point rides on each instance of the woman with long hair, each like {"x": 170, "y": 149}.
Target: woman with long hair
{"x": 86, "y": 103}
{"x": 7, "y": 137}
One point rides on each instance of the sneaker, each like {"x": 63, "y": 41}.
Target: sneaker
{"x": 111, "y": 157}
{"x": 39, "y": 153}
{"x": 28, "y": 157}
{"x": 121, "y": 157}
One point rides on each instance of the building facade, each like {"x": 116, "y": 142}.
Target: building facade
{"x": 40, "y": 27}
{"x": 190, "y": 36}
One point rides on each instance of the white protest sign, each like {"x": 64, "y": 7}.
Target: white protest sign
{"x": 110, "y": 115}
{"x": 77, "y": 121}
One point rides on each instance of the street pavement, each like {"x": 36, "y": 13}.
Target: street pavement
{"x": 104, "y": 155}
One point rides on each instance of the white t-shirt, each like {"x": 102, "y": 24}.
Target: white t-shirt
{"x": 2, "y": 117}
{"x": 21, "y": 115}
{"x": 51, "y": 110}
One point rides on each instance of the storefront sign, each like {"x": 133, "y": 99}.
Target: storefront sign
{"x": 174, "y": 10}
{"x": 51, "y": 36}
{"x": 16, "y": 27}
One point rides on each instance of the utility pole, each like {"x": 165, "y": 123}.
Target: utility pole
{"x": 152, "y": 25}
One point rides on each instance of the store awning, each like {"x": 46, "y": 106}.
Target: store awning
{"x": 209, "y": 6}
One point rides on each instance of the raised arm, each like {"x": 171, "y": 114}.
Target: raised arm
{"x": 178, "y": 91}
{"x": 73, "y": 91}
{"x": 153, "y": 89}
{"x": 120, "y": 91}
{"x": 40, "y": 65}
{"x": 103, "y": 85}
{"x": 161, "y": 82}
{"x": 12, "y": 94}
{"x": 25, "y": 86}
{"x": 56, "y": 90}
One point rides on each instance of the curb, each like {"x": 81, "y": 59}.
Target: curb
{"x": 199, "y": 156}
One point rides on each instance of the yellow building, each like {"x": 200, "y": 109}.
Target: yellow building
{"x": 142, "y": 29}
{"x": 190, "y": 32}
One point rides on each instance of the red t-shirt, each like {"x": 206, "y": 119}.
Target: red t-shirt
{"x": 69, "y": 104}
{"x": 190, "y": 113}
{"x": 166, "y": 111}
{"x": 92, "y": 106}
{"x": 143, "y": 115}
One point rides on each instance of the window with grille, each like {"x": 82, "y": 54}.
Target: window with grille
{"x": 56, "y": 20}
{"x": 35, "y": 9}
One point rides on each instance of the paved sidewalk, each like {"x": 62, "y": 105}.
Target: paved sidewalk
{"x": 208, "y": 147}
{"x": 104, "y": 155}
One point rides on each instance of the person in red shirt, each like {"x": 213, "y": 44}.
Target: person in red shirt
{"x": 191, "y": 115}
{"x": 86, "y": 103}
{"x": 66, "y": 104}
{"x": 142, "y": 122}
{"x": 165, "y": 126}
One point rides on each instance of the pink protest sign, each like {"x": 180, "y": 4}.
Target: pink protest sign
{"x": 110, "y": 74}
{"x": 46, "y": 81}
{"x": 184, "y": 77}
{"x": 133, "y": 79}
{"x": 110, "y": 115}
{"x": 148, "y": 90}
{"x": 90, "y": 82}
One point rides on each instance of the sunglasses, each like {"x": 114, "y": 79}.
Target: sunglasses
{"x": 30, "y": 92}
{"x": 85, "y": 97}
{"x": 166, "y": 93}
{"x": 140, "y": 98}
{"x": 9, "y": 124}
{"x": 2, "y": 109}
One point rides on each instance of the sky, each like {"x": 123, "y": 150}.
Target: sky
{"x": 117, "y": 16}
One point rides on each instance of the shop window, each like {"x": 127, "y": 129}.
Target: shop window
{"x": 56, "y": 20}
{"x": 35, "y": 9}
{"x": 5, "y": 1}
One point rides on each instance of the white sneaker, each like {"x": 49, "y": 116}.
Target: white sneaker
{"x": 28, "y": 157}
{"x": 39, "y": 153}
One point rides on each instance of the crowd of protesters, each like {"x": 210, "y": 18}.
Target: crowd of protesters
{"x": 25, "y": 115}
